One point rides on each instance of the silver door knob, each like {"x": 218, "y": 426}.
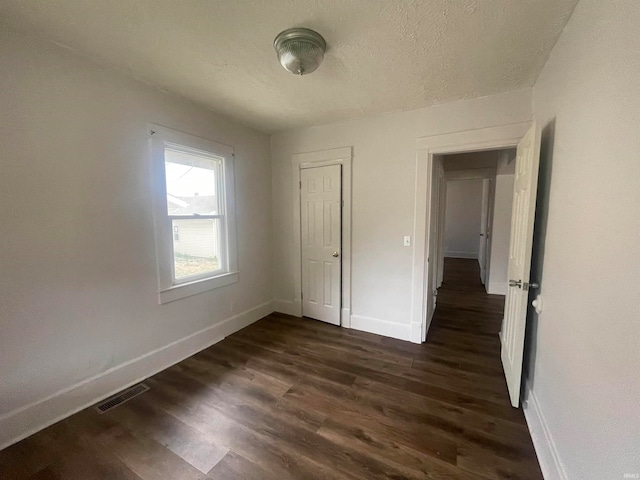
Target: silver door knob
{"x": 513, "y": 283}
{"x": 335, "y": 254}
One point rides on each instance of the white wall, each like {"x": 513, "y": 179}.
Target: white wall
{"x": 384, "y": 167}
{"x": 78, "y": 284}
{"x": 501, "y": 234}
{"x": 501, "y": 229}
{"x": 463, "y": 213}
{"x": 584, "y": 354}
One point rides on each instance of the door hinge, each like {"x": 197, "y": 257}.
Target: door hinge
{"x": 300, "y": 184}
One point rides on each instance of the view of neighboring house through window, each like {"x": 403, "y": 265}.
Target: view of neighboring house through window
{"x": 195, "y": 218}
{"x": 195, "y": 203}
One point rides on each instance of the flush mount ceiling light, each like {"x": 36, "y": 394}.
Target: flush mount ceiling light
{"x": 300, "y": 50}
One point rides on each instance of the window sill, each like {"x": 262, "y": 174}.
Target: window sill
{"x": 193, "y": 288}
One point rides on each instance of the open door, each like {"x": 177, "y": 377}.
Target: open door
{"x": 522, "y": 219}
{"x": 435, "y": 231}
{"x": 441, "y": 219}
{"x": 483, "y": 250}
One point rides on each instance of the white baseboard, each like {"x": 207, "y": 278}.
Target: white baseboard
{"x": 543, "y": 443}
{"x": 287, "y": 307}
{"x": 381, "y": 327}
{"x": 416, "y": 332}
{"x": 27, "y": 420}
{"x": 497, "y": 288}
{"x": 454, "y": 254}
{"x": 295, "y": 309}
{"x": 345, "y": 318}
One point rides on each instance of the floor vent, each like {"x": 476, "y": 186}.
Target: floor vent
{"x": 128, "y": 394}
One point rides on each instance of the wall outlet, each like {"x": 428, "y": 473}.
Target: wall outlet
{"x": 233, "y": 307}
{"x": 407, "y": 241}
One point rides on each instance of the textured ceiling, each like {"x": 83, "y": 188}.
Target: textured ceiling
{"x": 382, "y": 55}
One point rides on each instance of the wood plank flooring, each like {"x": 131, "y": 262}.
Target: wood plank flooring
{"x": 290, "y": 398}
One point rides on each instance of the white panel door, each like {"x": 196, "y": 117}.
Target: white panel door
{"x": 442, "y": 215}
{"x": 434, "y": 235}
{"x": 483, "y": 251}
{"x": 320, "y": 215}
{"x": 522, "y": 219}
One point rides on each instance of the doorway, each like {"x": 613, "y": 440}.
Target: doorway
{"x": 476, "y": 209}
{"x": 322, "y": 235}
{"x": 527, "y": 140}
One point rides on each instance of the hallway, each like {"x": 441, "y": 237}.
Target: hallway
{"x": 300, "y": 399}
{"x": 463, "y": 337}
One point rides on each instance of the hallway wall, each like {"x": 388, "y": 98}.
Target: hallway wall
{"x": 582, "y": 374}
{"x": 463, "y": 213}
{"x": 501, "y": 228}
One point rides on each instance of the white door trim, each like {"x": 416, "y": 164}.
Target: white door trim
{"x": 491, "y": 138}
{"x": 335, "y": 156}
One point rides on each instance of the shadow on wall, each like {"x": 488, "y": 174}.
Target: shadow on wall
{"x": 537, "y": 256}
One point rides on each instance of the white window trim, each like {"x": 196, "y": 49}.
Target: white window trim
{"x": 168, "y": 290}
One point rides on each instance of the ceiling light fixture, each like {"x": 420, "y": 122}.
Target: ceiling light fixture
{"x": 300, "y": 50}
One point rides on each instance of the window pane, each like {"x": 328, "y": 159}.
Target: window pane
{"x": 197, "y": 247}
{"x": 191, "y": 183}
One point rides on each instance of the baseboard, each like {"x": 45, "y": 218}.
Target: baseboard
{"x": 461, "y": 255}
{"x": 285, "y": 306}
{"x": 497, "y": 288}
{"x": 416, "y": 332}
{"x": 289, "y": 307}
{"x": 381, "y": 327}
{"x": 27, "y": 420}
{"x": 543, "y": 443}
{"x": 345, "y": 318}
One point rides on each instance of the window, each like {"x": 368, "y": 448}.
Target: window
{"x": 194, "y": 215}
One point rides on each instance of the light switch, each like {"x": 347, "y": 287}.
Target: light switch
{"x": 407, "y": 241}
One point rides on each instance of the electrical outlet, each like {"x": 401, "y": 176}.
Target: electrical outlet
{"x": 407, "y": 241}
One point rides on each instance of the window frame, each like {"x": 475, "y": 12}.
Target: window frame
{"x": 170, "y": 288}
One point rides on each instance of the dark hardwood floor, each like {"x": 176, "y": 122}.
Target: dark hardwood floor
{"x": 290, "y": 398}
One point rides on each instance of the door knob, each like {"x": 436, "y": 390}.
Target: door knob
{"x": 335, "y": 254}
{"x": 513, "y": 283}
